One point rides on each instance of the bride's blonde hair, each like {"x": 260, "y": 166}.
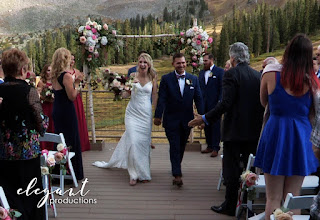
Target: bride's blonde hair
{"x": 151, "y": 71}
{"x": 60, "y": 62}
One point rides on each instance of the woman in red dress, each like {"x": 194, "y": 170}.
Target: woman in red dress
{"x": 46, "y": 96}
{"x": 82, "y": 123}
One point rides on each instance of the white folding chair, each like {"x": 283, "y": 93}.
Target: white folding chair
{"x": 297, "y": 202}
{"x": 221, "y": 173}
{"x": 46, "y": 185}
{"x": 3, "y": 200}
{"x": 309, "y": 183}
{"x": 59, "y": 138}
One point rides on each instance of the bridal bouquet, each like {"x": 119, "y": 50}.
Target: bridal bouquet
{"x": 249, "y": 180}
{"x": 116, "y": 83}
{"x": 47, "y": 94}
{"x": 9, "y": 215}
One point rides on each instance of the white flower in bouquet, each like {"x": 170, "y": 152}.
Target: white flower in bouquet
{"x": 200, "y": 30}
{"x": 91, "y": 49}
{"x": 89, "y": 22}
{"x": 60, "y": 147}
{"x": 51, "y": 161}
{"x": 201, "y": 60}
{"x": 88, "y": 33}
{"x": 48, "y": 93}
{"x": 94, "y": 24}
{"x": 99, "y": 27}
{"x": 104, "y": 40}
{"x": 115, "y": 83}
{"x": 182, "y": 40}
{"x": 204, "y": 36}
{"x": 189, "y": 41}
{"x": 90, "y": 42}
{"x": 195, "y": 28}
{"x": 44, "y": 170}
{"x": 189, "y": 33}
{"x": 81, "y": 29}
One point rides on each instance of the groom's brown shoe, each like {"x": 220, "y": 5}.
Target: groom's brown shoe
{"x": 207, "y": 150}
{"x": 177, "y": 181}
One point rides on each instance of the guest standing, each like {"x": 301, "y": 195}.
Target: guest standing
{"x": 242, "y": 121}
{"x": 46, "y": 96}
{"x": 287, "y": 157}
{"x": 66, "y": 89}
{"x": 21, "y": 125}
{"x": 82, "y": 123}
{"x": 210, "y": 79}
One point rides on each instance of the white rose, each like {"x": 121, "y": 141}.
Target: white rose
{"x": 60, "y": 147}
{"x": 99, "y": 27}
{"x": 189, "y": 41}
{"x": 80, "y": 29}
{"x": 51, "y": 161}
{"x": 182, "y": 40}
{"x": 104, "y": 41}
{"x": 44, "y": 170}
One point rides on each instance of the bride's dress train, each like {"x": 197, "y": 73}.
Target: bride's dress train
{"x": 133, "y": 149}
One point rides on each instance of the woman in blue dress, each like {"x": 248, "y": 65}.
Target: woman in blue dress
{"x": 285, "y": 152}
{"x": 66, "y": 89}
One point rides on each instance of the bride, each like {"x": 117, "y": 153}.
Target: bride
{"x": 133, "y": 149}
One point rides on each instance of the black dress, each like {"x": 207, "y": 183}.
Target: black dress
{"x": 65, "y": 121}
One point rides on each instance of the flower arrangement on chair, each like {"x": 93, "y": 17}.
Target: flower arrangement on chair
{"x": 9, "y": 215}
{"x": 281, "y": 214}
{"x": 249, "y": 180}
{"x": 58, "y": 158}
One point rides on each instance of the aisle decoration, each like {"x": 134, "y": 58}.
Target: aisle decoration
{"x": 249, "y": 179}
{"x": 9, "y": 215}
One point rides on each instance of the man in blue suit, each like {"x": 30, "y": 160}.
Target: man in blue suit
{"x": 210, "y": 79}
{"x": 177, "y": 92}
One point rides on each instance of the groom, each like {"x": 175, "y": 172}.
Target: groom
{"x": 177, "y": 92}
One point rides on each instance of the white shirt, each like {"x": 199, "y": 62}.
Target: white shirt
{"x": 206, "y": 74}
{"x": 181, "y": 81}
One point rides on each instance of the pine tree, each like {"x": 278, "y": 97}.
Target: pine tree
{"x": 49, "y": 47}
{"x": 223, "y": 47}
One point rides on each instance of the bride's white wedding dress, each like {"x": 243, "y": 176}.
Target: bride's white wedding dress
{"x": 133, "y": 149}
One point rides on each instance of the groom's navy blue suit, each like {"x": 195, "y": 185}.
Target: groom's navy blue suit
{"x": 177, "y": 111}
{"x": 212, "y": 93}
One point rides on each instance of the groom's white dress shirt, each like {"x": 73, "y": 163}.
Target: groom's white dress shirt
{"x": 182, "y": 81}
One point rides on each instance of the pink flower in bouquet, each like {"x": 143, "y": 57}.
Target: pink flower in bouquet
{"x": 199, "y": 37}
{"x": 194, "y": 39}
{"x": 251, "y": 179}
{"x": 210, "y": 40}
{"x": 64, "y": 151}
{"x": 105, "y": 26}
{"x": 4, "y": 213}
{"x": 194, "y": 58}
{"x": 88, "y": 27}
{"x": 195, "y": 28}
{"x": 94, "y": 37}
{"x": 83, "y": 39}
{"x": 199, "y": 42}
{"x": 45, "y": 151}
{"x": 51, "y": 162}
{"x": 194, "y": 64}
{"x": 58, "y": 156}
{"x": 116, "y": 83}
{"x": 94, "y": 31}
{"x": 96, "y": 54}
{"x": 91, "y": 49}
{"x": 114, "y": 32}
{"x": 205, "y": 43}
{"x": 181, "y": 33}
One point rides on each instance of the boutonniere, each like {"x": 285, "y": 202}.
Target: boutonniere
{"x": 210, "y": 74}
{"x": 188, "y": 82}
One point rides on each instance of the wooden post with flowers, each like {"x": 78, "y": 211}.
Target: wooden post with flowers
{"x": 94, "y": 38}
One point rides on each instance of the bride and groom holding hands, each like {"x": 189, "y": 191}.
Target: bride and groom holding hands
{"x": 174, "y": 109}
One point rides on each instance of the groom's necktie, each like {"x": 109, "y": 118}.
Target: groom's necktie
{"x": 181, "y": 82}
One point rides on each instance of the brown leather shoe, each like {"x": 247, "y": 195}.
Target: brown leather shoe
{"x": 214, "y": 154}
{"x": 207, "y": 150}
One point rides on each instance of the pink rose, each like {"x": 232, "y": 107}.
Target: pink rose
{"x": 58, "y": 156}
{"x": 181, "y": 33}
{"x": 83, "y": 39}
{"x": 45, "y": 151}
{"x": 94, "y": 31}
{"x": 96, "y": 54}
{"x": 105, "y": 26}
{"x": 114, "y": 32}
{"x": 91, "y": 49}
{"x": 94, "y": 37}
{"x": 64, "y": 151}
{"x": 199, "y": 37}
{"x": 3, "y": 213}
{"x": 195, "y": 28}
{"x": 88, "y": 27}
{"x": 194, "y": 64}
{"x": 210, "y": 40}
{"x": 51, "y": 162}
{"x": 89, "y": 56}
{"x": 199, "y": 42}
{"x": 194, "y": 58}
{"x": 251, "y": 179}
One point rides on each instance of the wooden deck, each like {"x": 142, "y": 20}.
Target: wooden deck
{"x": 157, "y": 199}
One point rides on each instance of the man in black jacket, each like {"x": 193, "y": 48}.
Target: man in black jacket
{"x": 242, "y": 120}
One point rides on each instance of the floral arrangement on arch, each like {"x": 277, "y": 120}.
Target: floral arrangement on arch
{"x": 249, "y": 179}
{"x": 9, "y": 215}
{"x": 116, "y": 83}
{"x": 94, "y": 37}
{"x": 195, "y": 41}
